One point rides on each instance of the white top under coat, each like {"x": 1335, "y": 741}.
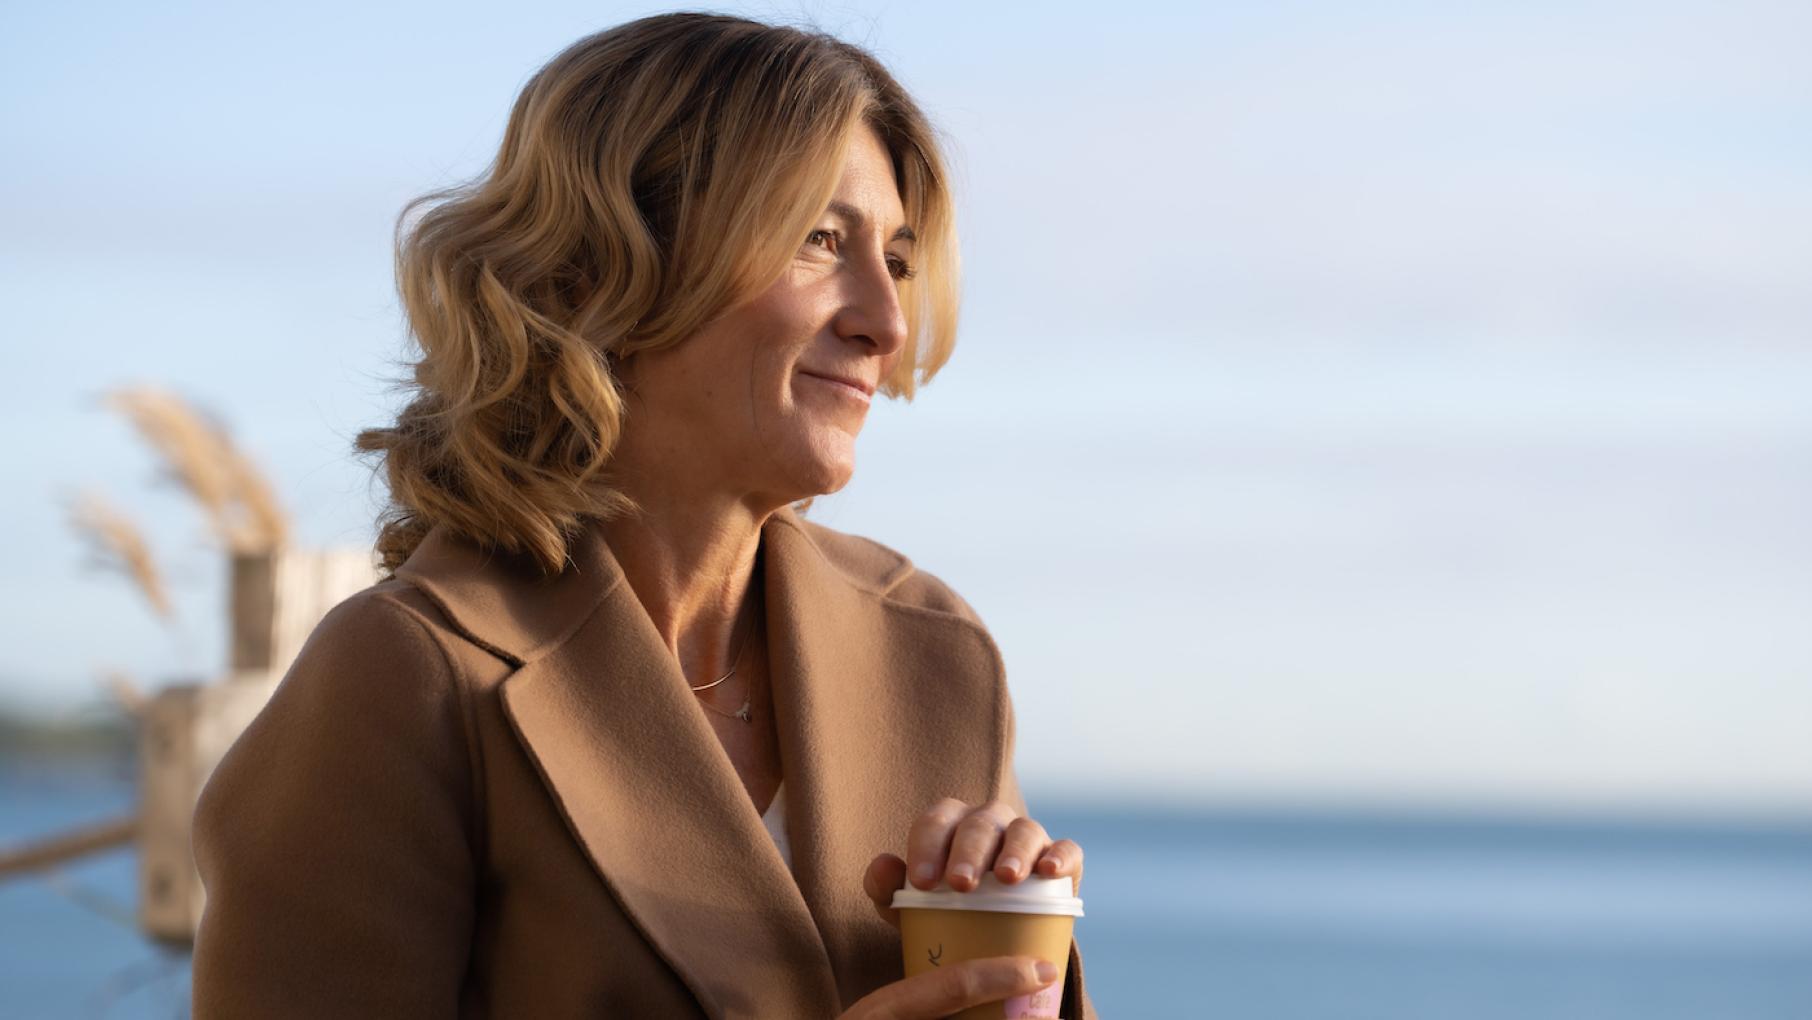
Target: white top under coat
{"x": 775, "y": 820}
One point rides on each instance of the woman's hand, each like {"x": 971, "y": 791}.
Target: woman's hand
{"x": 953, "y": 838}
{"x": 939, "y": 993}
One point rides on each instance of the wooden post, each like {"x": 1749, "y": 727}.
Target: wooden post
{"x": 251, "y": 608}
{"x": 277, "y": 597}
{"x": 275, "y": 601}
{"x": 186, "y": 729}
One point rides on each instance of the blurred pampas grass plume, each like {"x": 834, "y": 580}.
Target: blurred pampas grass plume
{"x": 117, "y": 544}
{"x": 200, "y": 456}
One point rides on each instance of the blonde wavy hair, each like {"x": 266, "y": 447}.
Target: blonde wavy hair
{"x": 652, "y": 176}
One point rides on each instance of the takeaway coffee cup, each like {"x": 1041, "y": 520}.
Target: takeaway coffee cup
{"x": 1032, "y": 917}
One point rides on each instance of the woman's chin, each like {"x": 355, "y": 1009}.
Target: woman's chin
{"x": 829, "y": 479}
{"x": 824, "y": 470}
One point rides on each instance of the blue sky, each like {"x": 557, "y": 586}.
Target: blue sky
{"x": 1355, "y": 402}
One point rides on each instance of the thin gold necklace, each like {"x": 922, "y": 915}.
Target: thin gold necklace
{"x": 743, "y": 712}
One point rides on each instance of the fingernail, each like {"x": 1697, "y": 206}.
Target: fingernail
{"x": 924, "y": 872}
{"x": 1009, "y": 863}
{"x": 1047, "y": 971}
{"x": 962, "y": 871}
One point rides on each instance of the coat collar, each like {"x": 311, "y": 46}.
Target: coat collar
{"x": 881, "y": 706}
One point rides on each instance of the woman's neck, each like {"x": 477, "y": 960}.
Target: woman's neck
{"x": 690, "y": 560}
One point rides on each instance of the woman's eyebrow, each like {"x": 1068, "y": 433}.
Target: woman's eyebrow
{"x": 858, "y": 220}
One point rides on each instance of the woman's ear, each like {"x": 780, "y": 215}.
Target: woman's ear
{"x": 622, "y": 368}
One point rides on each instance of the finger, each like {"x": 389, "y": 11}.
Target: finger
{"x": 976, "y": 842}
{"x": 954, "y": 988}
{"x": 928, "y": 843}
{"x": 886, "y": 875}
{"x": 1023, "y": 843}
{"x": 1063, "y": 857}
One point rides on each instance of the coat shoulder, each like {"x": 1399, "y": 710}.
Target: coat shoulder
{"x": 375, "y": 637}
{"x": 885, "y": 571}
{"x": 352, "y": 794}
{"x": 392, "y": 627}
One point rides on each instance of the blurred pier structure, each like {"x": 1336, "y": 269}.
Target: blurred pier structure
{"x": 276, "y": 594}
{"x": 277, "y": 598}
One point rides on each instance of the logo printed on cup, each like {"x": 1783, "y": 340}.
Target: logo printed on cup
{"x": 1043, "y": 1003}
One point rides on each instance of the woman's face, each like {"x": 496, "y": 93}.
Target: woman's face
{"x": 750, "y": 402}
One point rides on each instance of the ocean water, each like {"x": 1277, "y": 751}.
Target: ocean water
{"x": 1250, "y": 915}
{"x": 1276, "y": 916}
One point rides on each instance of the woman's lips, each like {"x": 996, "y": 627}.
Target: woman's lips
{"x": 849, "y": 390}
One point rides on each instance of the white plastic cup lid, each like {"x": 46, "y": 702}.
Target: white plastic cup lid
{"x": 1034, "y": 894}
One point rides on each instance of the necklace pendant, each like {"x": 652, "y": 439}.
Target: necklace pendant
{"x": 743, "y": 712}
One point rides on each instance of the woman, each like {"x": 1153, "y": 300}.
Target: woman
{"x": 647, "y": 334}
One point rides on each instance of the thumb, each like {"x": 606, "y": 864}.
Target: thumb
{"x": 886, "y": 875}
{"x": 951, "y": 989}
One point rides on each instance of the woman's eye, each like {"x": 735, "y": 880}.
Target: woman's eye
{"x": 897, "y": 267}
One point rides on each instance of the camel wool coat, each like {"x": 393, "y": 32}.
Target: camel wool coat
{"x": 478, "y": 793}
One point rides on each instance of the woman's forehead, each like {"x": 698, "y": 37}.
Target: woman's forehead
{"x": 867, "y": 195}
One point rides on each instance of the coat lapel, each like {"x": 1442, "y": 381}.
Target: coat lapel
{"x": 873, "y": 726}
{"x": 883, "y": 708}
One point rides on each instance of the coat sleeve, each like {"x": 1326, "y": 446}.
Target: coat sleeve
{"x": 334, "y": 838}
{"x": 1076, "y": 1003}
{"x": 931, "y": 591}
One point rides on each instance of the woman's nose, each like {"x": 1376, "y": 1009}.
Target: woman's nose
{"x": 872, "y": 310}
